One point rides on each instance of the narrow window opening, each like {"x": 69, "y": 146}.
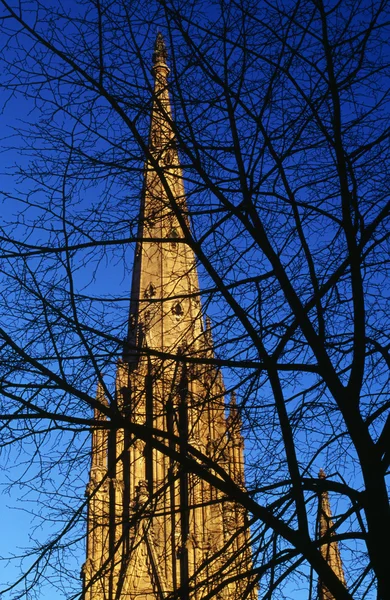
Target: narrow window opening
{"x": 177, "y": 309}
{"x": 168, "y": 157}
{"x": 150, "y": 291}
{"x": 173, "y": 234}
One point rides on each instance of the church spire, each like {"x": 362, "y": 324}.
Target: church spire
{"x": 330, "y": 550}
{"x": 154, "y": 528}
{"x": 165, "y": 305}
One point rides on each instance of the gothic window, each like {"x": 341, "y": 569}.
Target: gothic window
{"x": 177, "y": 309}
{"x": 173, "y": 234}
{"x": 150, "y": 291}
{"x": 168, "y": 157}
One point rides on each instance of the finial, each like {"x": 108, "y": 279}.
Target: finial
{"x": 100, "y": 397}
{"x": 208, "y": 335}
{"x": 321, "y": 474}
{"x": 160, "y": 53}
{"x": 233, "y": 407}
{"x": 234, "y": 422}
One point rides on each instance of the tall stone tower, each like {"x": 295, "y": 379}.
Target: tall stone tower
{"x": 330, "y": 550}
{"x": 155, "y": 529}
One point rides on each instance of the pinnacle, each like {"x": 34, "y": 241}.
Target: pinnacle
{"x": 233, "y": 406}
{"x": 208, "y": 333}
{"x": 102, "y": 399}
{"x": 100, "y": 393}
{"x": 321, "y": 474}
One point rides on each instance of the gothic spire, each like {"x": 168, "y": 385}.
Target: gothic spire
{"x": 330, "y": 551}
{"x": 150, "y": 523}
{"x": 165, "y": 307}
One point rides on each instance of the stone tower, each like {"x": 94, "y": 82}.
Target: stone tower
{"x": 330, "y": 551}
{"x": 156, "y": 530}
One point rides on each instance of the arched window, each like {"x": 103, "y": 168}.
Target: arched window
{"x": 173, "y": 234}
{"x": 150, "y": 291}
{"x": 168, "y": 157}
{"x": 177, "y": 309}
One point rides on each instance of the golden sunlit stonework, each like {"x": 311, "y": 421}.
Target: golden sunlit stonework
{"x": 155, "y": 529}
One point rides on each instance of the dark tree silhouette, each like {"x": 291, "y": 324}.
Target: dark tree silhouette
{"x": 282, "y": 127}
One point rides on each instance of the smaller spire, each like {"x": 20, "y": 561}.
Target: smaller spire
{"x": 235, "y": 442}
{"x": 208, "y": 336}
{"x": 99, "y": 435}
{"x": 100, "y": 397}
{"x": 330, "y": 551}
{"x": 234, "y": 419}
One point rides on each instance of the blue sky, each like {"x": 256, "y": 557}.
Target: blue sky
{"x": 109, "y": 277}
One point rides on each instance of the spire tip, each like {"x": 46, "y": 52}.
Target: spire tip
{"x": 160, "y": 53}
